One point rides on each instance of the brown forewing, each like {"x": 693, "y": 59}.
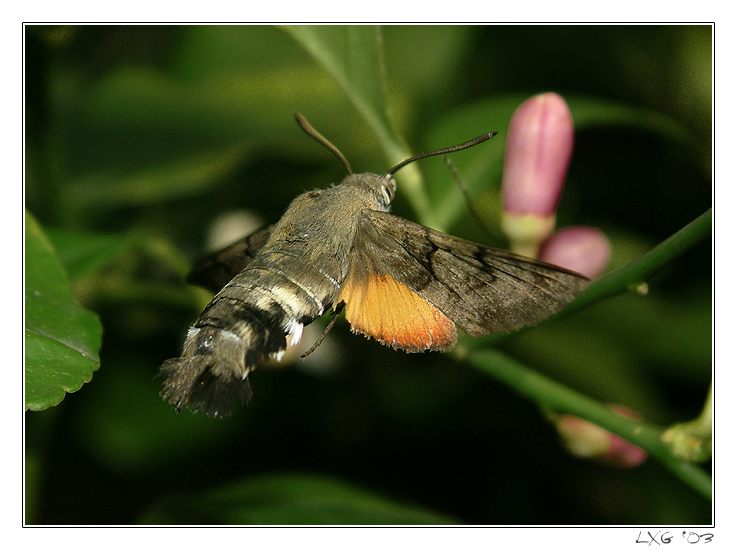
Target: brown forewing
{"x": 485, "y": 290}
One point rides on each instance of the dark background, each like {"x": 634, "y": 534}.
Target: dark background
{"x": 145, "y": 135}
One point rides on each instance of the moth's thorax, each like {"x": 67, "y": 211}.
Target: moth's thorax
{"x": 323, "y": 222}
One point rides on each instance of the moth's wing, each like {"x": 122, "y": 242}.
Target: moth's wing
{"x": 379, "y": 306}
{"x": 484, "y": 290}
{"x": 216, "y": 269}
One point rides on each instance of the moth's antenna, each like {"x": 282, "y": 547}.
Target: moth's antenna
{"x": 442, "y": 151}
{"x": 317, "y": 136}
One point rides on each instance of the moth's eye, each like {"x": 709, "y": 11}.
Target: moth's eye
{"x": 387, "y": 196}
{"x": 388, "y": 187}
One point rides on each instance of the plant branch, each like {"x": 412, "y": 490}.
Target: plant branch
{"x": 638, "y": 271}
{"x": 560, "y": 398}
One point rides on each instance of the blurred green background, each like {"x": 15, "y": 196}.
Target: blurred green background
{"x": 143, "y": 141}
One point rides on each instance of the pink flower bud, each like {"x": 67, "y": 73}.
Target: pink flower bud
{"x": 539, "y": 147}
{"x": 585, "y": 250}
{"x": 587, "y": 440}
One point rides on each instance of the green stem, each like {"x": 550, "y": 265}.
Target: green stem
{"x": 638, "y": 271}
{"x": 558, "y": 397}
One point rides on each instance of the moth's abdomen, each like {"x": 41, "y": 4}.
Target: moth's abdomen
{"x": 205, "y": 378}
{"x": 247, "y": 324}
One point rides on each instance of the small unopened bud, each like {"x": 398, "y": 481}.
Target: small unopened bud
{"x": 587, "y": 440}
{"x": 585, "y": 250}
{"x": 539, "y": 147}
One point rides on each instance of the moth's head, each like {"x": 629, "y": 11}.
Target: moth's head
{"x": 380, "y": 189}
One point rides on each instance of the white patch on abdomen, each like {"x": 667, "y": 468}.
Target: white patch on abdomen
{"x": 294, "y": 332}
{"x": 287, "y": 298}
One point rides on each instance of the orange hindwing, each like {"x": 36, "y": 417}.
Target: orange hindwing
{"x": 381, "y": 307}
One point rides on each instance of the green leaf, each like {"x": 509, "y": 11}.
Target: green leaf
{"x": 290, "y": 499}
{"x": 209, "y": 51}
{"x": 181, "y": 178}
{"x": 353, "y": 55}
{"x": 62, "y": 338}
{"x": 138, "y": 137}
{"x": 176, "y": 119}
{"x": 427, "y": 61}
{"x": 84, "y": 253}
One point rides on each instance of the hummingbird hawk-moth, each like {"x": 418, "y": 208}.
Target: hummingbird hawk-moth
{"x": 401, "y": 283}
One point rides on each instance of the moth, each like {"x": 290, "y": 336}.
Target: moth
{"x": 398, "y": 282}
